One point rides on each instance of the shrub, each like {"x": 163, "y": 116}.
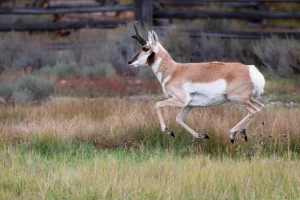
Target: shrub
{"x": 105, "y": 69}
{"x": 7, "y": 91}
{"x": 146, "y": 72}
{"x": 28, "y": 89}
{"x": 205, "y": 49}
{"x": 278, "y": 56}
{"x": 46, "y": 71}
{"x": 179, "y": 45}
{"x": 34, "y": 58}
{"x": 26, "y": 55}
{"x": 66, "y": 70}
{"x": 22, "y": 96}
{"x": 122, "y": 48}
{"x": 24, "y": 51}
{"x": 38, "y": 89}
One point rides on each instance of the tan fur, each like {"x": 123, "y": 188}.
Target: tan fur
{"x": 239, "y": 85}
{"x": 235, "y": 74}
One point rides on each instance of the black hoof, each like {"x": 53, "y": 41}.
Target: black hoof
{"x": 232, "y": 137}
{"x": 169, "y": 131}
{"x": 203, "y": 135}
{"x": 172, "y": 133}
{"x": 206, "y": 136}
{"x": 244, "y": 134}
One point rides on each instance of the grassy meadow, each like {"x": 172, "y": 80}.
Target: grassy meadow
{"x": 113, "y": 148}
{"x": 76, "y": 122}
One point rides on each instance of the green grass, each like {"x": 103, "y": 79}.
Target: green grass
{"x": 56, "y": 169}
{"x": 113, "y": 148}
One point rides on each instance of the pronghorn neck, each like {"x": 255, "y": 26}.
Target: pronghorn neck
{"x": 161, "y": 63}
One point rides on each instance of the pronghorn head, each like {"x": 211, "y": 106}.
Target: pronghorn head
{"x": 149, "y": 48}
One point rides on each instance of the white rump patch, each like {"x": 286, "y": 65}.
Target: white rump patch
{"x": 205, "y": 94}
{"x": 257, "y": 79}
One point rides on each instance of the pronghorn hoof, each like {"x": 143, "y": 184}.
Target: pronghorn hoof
{"x": 206, "y": 136}
{"x": 203, "y": 135}
{"x": 244, "y": 134}
{"x": 169, "y": 131}
{"x": 172, "y": 133}
{"x": 232, "y": 137}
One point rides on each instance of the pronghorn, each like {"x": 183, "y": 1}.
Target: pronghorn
{"x": 189, "y": 85}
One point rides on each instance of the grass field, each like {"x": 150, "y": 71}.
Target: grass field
{"x": 112, "y": 148}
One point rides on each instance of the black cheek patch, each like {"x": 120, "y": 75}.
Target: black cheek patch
{"x": 151, "y": 59}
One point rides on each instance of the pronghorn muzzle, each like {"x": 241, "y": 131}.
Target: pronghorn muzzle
{"x": 138, "y": 36}
{"x": 134, "y": 58}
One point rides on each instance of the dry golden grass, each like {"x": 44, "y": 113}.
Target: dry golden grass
{"x": 113, "y": 148}
{"x": 116, "y": 122}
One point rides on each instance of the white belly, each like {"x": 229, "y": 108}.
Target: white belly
{"x": 205, "y": 94}
{"x": 204, "y": 100}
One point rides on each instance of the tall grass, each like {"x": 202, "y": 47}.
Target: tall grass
{"x": 118, "y": 123}
{"x": 83, "y": 172}
{"x": 113, "y": 148}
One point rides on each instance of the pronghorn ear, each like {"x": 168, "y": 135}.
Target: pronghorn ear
{"x": 154, "y": 38}
{"x": 149, "y": 37}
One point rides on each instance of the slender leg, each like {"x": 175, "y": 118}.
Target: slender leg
{"x": 257, "y": 104}
{"x": 259, "y": 107}
{"x": 179, "y": 118}
{"x": 169, "y": 102}
{"x": 252, "y": 111}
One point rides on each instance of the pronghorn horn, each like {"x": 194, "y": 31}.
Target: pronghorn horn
{"x": 137, "y": 36}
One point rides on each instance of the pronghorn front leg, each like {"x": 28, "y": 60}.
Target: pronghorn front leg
{"x": 169, "y": 102}
{"x": 179, "y": 118}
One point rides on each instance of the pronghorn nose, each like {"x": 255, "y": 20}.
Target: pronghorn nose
{"x": 129, "y": 62}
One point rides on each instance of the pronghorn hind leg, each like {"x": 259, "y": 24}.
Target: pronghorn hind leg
{"x": 169, "y": 102}
{"x": 252, "y": 111}
{"x": 244, "y": 134}
{"x": 184, "y": 111}
{"x": 259, "y": 107}
{"x": 257, "y": 104}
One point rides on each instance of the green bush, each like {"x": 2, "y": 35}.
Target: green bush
{"x": 146, "y": 72}
{"x": 29, "y": 89}
{"x": 46, "y": 71}
{"x": 7, "y": 91}
{"x": 66, "y": 70}
{"x": 105, "y": 69}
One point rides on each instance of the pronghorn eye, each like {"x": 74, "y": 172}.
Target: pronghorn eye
{"x": 145, "y": 49}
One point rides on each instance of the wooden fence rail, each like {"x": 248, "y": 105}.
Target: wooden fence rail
{"x": 211, "y": 1}
{"x": 54, "y": 26}
{"x": 34, "y": 11}
{"x": 146, "y": 10}
{"x": 250, "y": 15}
{"x": 243, "y": 34}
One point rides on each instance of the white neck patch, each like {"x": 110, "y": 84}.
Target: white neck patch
{"x": 156, "y": 64}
